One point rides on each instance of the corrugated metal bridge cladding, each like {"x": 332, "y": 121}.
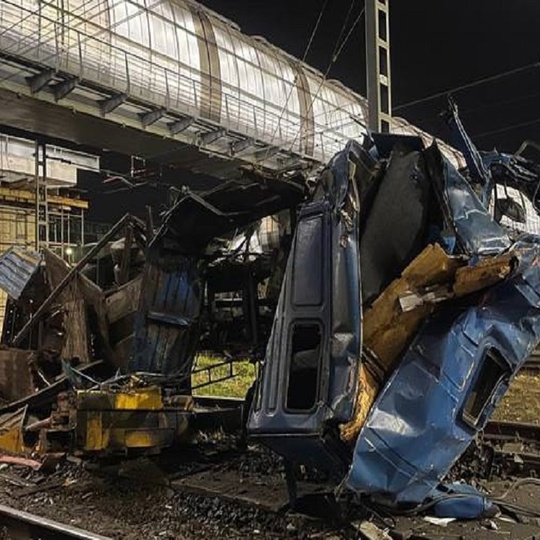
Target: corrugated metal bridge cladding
{"x": 176, "y": 71}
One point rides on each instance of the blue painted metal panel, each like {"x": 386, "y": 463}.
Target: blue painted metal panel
{"x": 416, "y": 429}
{"x": 477, "y": 168}
{"x": 166, "y": 325}
{"x": 337, "y": 311}
{"x": 476, "y": 229}
{"x": 17, "y": 266}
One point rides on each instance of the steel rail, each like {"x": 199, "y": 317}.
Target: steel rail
{"x": 532, "y": 364}
{"x": 512, "y": 431}
{"x": 20, "y": 524}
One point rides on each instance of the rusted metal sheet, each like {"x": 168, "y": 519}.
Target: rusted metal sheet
{"x": 72, "y": 306}
{"x": 123, "y": 300}
{"x": 121, "y": 307}
{"x": 15, "y": 374}
{"x": 11, "y": 431}
{"x": 17, "y": 266}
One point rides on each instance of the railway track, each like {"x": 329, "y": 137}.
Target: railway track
{"x": 502, "y": 431}
{"x": 515, "y": 444}
{"x": 532, "y": 364}
{"x": 19, "y": 525}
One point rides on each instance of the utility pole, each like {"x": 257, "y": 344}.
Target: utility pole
{"x": 42, "y": 207}
{"x": 378, "y": 65}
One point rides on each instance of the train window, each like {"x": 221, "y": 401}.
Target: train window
{"x": 492, "y": 372}
{"x": 304, "y": 367}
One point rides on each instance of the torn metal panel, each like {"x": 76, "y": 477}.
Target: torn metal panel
{"x": 17, "y": 266}
{"x": 194, "y": 220}
{"x": 168, "y": 323}
{"x": 73, "y": 272}
{"x": 476, "y": 166}
{"x": 121, "y": 310}
{"x": 73, "y": 326}
{"x": 42, "y": 400}
{"x": 163, "y": 344}
{"x": 476, "y": 231}
{"x": 387, "y": 328}
{"x": 395, "y": 317}
{"x": 439, "y": 344}
{"x": 446, "y": 386}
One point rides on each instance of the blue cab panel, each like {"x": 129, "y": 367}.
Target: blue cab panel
{"x": 375, "y": 208}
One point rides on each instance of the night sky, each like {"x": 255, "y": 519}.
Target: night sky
{"x": 436, "y": 45}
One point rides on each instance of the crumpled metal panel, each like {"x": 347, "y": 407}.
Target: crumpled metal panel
{"x": 476, "y": 231}
{"x": 416, "y": 429}
{"x": 17, "y": 266}
{"x": 166, "y": 324}
{"x": 476, "y": 166}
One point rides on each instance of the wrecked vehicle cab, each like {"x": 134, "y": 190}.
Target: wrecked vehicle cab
{"x": 405, "y": 312}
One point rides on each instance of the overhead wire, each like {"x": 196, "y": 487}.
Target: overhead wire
{"x": 505, "y": 129}
{"x": 466, "y": 86}
{"x": 340, "y": 44}
{"x": 295, "y": 80}
{"x": 314, "y": 32}
{"x": 491, "y": 105}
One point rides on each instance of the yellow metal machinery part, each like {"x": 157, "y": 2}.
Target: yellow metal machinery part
{"x": 11, "y": 432}
{"x": 131, "y": 419}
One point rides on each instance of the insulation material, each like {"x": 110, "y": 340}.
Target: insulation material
{"x": 396, "y": 315}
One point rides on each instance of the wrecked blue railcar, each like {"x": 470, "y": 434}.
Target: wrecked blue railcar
{"x": 447, "y": 385}
{"x": 354, "y": 245}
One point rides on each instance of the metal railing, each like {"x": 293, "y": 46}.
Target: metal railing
{"x": 114, "y": 62}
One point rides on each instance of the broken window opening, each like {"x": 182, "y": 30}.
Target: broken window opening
{"x": 492, "y": 372}
{"x": 304, "y": 367}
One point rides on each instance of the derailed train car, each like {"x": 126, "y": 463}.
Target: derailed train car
{"x": 405, "y": 312}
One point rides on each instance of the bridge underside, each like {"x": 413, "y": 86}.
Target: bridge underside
{"x": 40, "y": 118}
{"x": 52, "y": 105}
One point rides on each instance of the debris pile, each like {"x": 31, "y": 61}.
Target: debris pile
{"x": 406, "y": 312}
{"x": 387, "y": 305}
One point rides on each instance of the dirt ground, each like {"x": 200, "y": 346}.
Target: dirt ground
{"x": 145, "y": 499}
{"x": 522, "y": 402}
